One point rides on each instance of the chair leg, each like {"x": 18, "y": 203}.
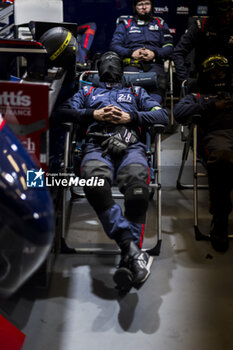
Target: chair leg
{"x": 198, "y": 235}
{"x": 185, "y": 154}
{"x": 171, "y": 92}
{"x": 157, "y": 157}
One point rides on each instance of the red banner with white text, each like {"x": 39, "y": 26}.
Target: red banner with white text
{"x": 25, "y": 107}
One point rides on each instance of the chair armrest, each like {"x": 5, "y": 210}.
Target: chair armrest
{"x": 183, "y": 88}
{"x": 195, "y": 118}
{"x": 156, "y": 128}
{"x": 68, "y": 127}
{"x": 169, "y": 65}
{"x": 192, "y": 119}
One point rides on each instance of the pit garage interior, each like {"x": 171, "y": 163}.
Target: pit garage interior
{"x": 71, "y": 301}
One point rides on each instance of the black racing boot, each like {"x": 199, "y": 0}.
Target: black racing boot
{"x": 219, "y": 234}
{"x": 134, "y": 268}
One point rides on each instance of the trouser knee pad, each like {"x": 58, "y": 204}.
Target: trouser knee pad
{"x": 136, "y": 202}
{"x": 100, "y": 197}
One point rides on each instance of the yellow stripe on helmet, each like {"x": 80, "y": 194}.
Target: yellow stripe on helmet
{"x": 62, "y": 47}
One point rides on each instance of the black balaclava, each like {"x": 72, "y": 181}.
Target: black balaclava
{"x": 209, "y": 66}
{"x": 147, "y": 17}
{"x": 110, "y": 67}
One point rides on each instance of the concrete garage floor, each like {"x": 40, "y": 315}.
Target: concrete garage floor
{"x": 186, "y": 304}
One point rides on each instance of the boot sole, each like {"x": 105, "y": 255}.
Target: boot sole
{"x": 123, "y": 278}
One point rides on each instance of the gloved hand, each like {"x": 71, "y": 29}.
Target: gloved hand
{"x": 116, "y": 144}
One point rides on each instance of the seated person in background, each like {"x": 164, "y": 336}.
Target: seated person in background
{"x": 85, "y": 37}
{"x": 143, "y": 40}
{"x": 207, "y": 36}
{"x": 113, "y": 115}
{"x": 215, "y": 105}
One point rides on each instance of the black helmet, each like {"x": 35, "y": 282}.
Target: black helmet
{"x": 215, "y": 74}
{"x": 61, "y": 46}
{"x": 110, "y": 67}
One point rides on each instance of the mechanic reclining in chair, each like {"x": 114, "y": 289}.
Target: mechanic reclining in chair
{"x": 215, "y": 106}
{"x": 113, "y": 114}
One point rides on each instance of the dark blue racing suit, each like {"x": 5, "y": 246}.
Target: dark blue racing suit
{"x": 208, "y": 37}
{"x": 130, "y": 170}
{"x": 132, "y": 34}
{"x": 216, "y": 141}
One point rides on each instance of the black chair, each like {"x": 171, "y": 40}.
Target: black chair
{"x": 191, "y": 136}
{"x": 72, "y": 154}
